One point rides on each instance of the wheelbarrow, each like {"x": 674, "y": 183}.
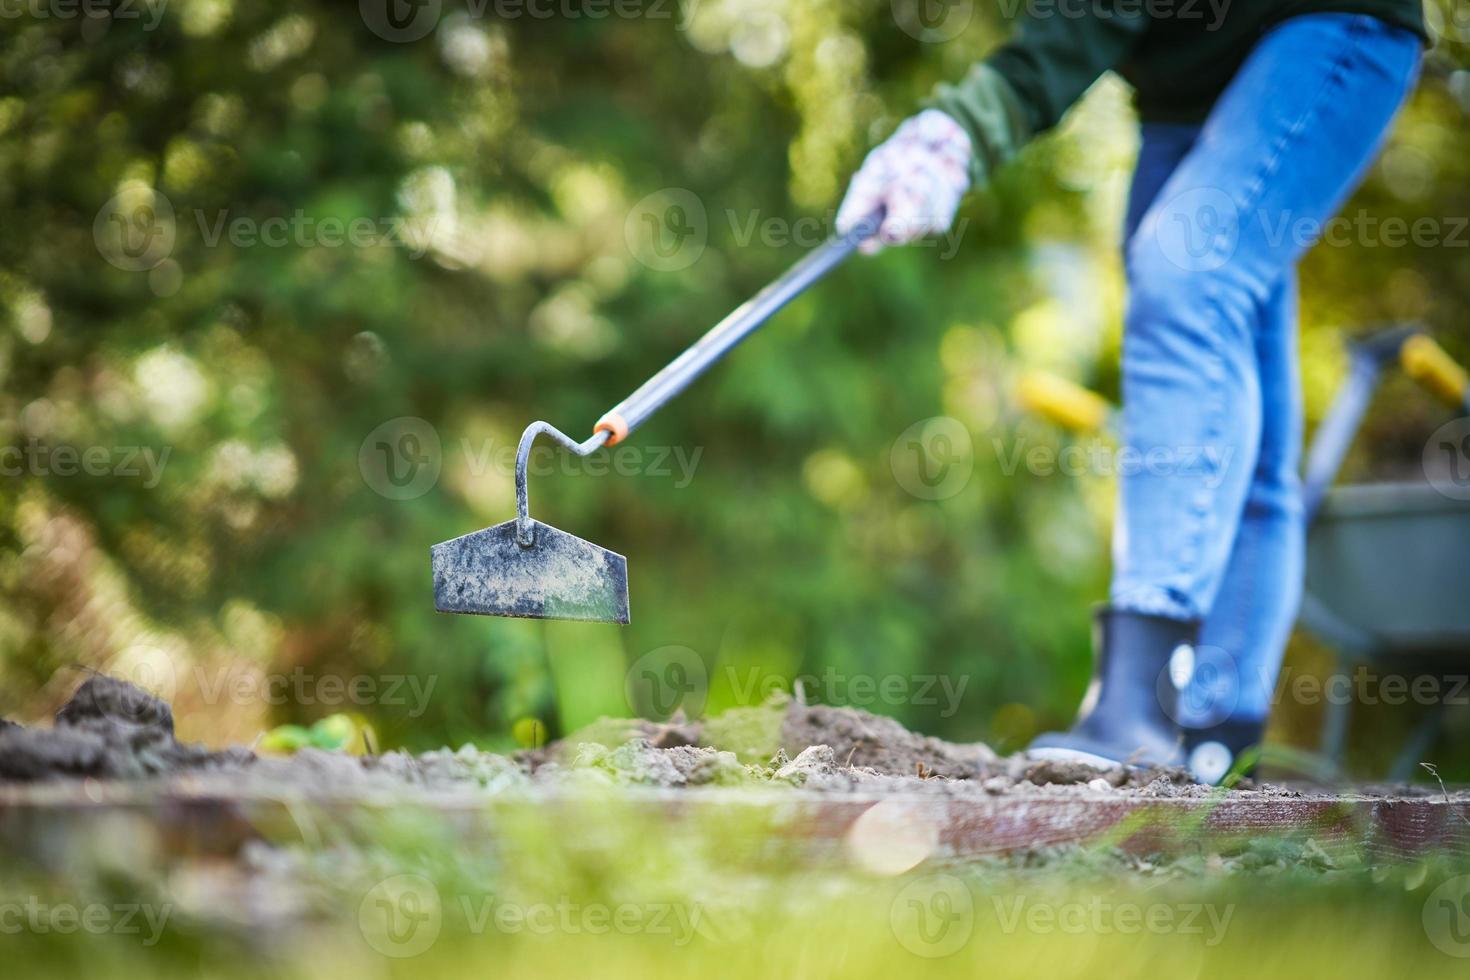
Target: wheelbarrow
{"x": 1387, "y": 580}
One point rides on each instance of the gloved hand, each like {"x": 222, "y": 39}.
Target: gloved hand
{"x": 919, "y": 174}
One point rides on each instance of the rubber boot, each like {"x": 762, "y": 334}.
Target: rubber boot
{"x": 1211, "y": 753}
{"x": 1130, "y": 713}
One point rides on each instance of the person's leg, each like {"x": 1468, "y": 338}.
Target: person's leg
{"x": 1284, "y": 145}
{"x": 1245, "y": 633}
{"x": 1110, "y": 726}
{"x": 1161, "y": 146}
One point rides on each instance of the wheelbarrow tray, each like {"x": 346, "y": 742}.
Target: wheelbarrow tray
{"x": 1391, "y": 561}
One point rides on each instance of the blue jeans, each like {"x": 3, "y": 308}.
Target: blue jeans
{"x": 1210, "y": 519}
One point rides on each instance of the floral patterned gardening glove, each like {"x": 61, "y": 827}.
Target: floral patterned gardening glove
{"x": 918, "y": 175}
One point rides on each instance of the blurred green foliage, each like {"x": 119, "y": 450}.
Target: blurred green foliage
{"x": 508, "y": 156}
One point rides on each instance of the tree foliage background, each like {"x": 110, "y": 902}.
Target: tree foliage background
{"x": 505, "y": 162}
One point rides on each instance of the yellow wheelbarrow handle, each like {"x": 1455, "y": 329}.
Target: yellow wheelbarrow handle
{"x": 1065, "y": 402}
{"x": 1427, "y": 363}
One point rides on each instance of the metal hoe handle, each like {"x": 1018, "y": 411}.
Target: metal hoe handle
{"x": 634, "y": 410}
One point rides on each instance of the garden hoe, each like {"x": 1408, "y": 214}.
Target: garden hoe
{"x": 529, "y": 569}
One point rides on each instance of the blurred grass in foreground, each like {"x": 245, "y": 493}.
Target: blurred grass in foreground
{"x": 582, "y": 886}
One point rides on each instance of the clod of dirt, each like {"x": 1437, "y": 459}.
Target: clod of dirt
{"x": 1160, "y": 781}
{"x": 684, "y": 765}
{"x": 107, "y": 699}
{"x": 814, "y": 761}
{"x": 467, "y": 766}
{"x": 109, "y": 729}
{"x": 28, "y": 754}
{"x": 1168, "y": 782}
{"x": 1060, "y": 772}
{"x": 866, "y": 741}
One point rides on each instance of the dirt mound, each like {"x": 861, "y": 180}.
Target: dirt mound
{"x": 108, "y": 730}
{"x": 859, "y": 751}
{"x": 781, "y": 729}
{"x": 781, "y": 733}
{"x": 869, "y": 741}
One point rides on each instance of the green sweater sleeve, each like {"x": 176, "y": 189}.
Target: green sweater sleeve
{"x": 1027, "y": 84}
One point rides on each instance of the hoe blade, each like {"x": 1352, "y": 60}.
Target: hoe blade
{"x": 559, "y": 576}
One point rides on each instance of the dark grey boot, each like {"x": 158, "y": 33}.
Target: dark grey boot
{"x": 1130, "y": 712}
{"x": 1212, "y": 752}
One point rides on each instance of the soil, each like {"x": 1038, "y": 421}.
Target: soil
{"x": 112, "y": 730}
{"x": 835, "y": 749}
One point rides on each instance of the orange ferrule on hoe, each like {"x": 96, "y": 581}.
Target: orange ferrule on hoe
{"x": 614, "y": 425}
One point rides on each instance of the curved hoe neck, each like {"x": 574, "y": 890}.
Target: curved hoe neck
{"x": 525, "y": 527}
